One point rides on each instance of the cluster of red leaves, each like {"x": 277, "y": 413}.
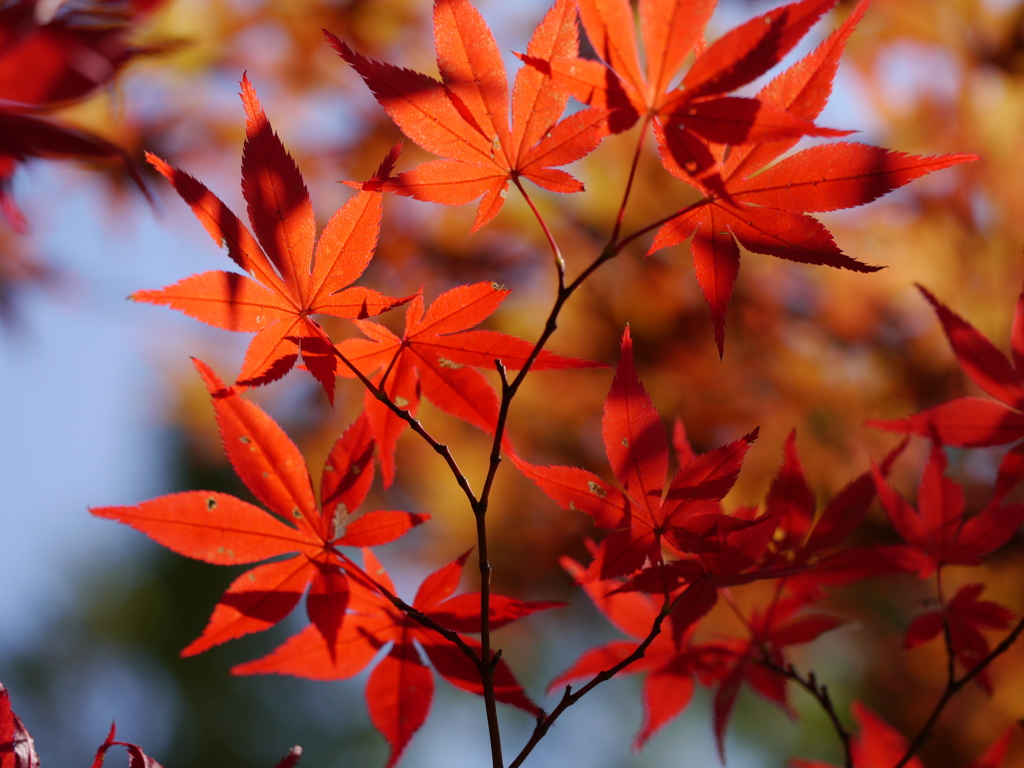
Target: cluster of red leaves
{"x": 18, "y": 750}
{"x": 48, "y": 62}
{"x": 352, "y": 609}
{"x": 435, "y": 358}
{"x": 401, "y": 687}
{"x": 676, "y": 541}
{"x": 976, "y": 422}
{"x": 939, "y": 533}
{"x": 716, "y": 143}
{"x": 669, "y": 540}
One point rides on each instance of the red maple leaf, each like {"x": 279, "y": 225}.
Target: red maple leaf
{"x": 803, "y": 540}
{"x": 771, "y": 630}
{"x": 764, "y": 210}
{"x": 643, "y": 515}
{"x": 136, "y": 757}
{"x": 938, "y": 532}
{"x": 673, "y": 670}
{"x": 879, "y": 745}
{"x": 401, "y": 687}
{"x": 966, "y": 616}
{"x": 974, "y": 422}
{"x": 223, "y": 530}
{"x": 292, "y": 280}
{"x": 436, "y": 358}
{"x": 670, "y": 30}
{"x": 17, "y": 749}
{"x": 47, "y": 63}
{"x": 465, "y": 116}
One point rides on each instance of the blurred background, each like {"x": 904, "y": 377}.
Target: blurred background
{"x": 99, "y": 404}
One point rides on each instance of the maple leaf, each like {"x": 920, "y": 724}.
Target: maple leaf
{"x": 801, "y": 539}
{"x": 673, "y": 670}
{"x": 136, "y": 757}
{"x": 698, "y": 109}
{"x": 400, "y": 688}
{"x": 771, "y": 630}
{"x": 732, "y": 552}
{"x": 465, "y": 116}
{"x": 292, "y": 280}
{"x": 43, "y": 50}
{"x": 938, "y": 532}
{"x": 223, "y": 530}
{"x": 643, "y": 515}
{"x": 42, "y": 65}
{"x": 974, "y": 422}
{"x": 879, "y": 745}
{"x": 764, "y": 210}
{"x": 17, "y": 749}
{"x": 436, "y": 358}
{"x": 876, "y": 745}
{"x": 966, "y": 616}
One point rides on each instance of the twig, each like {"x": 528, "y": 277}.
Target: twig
{"x": 953, "y": 687}
{"x": 820, "y": 693}
{"x": 413, "y": 422}
{"x": 644, "y": 230}
{"x": 415, "y": 614}
{"x": 544, "y": 722}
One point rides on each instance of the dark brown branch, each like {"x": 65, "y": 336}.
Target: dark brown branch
{"x": 544, "y": 722}
{"x": 953, "y": 686}
{"x": 820, "y": 693}
{"x": 353, "y": 569}
{"x": 413, "y": 422}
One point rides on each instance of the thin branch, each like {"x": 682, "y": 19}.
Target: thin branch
{"x": 820, "y": 693}
{"x": 953, "y": 687}
{"x": 487, "y": 664}
{"x": 660, "y": 222}
{"x": 413, "y": 422}
{"x": 415, "y": 614}
{"x": 544, "y": 722}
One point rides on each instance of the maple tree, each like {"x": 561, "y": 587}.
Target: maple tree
{"x": 674, "y": 554}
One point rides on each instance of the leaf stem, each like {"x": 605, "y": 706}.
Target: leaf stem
{"x": 629, "y": 182}
{"x": 391, "y": 365}
{"x": 555, "y": 250}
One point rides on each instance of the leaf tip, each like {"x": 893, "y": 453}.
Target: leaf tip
{"x": 383, "y": 172}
